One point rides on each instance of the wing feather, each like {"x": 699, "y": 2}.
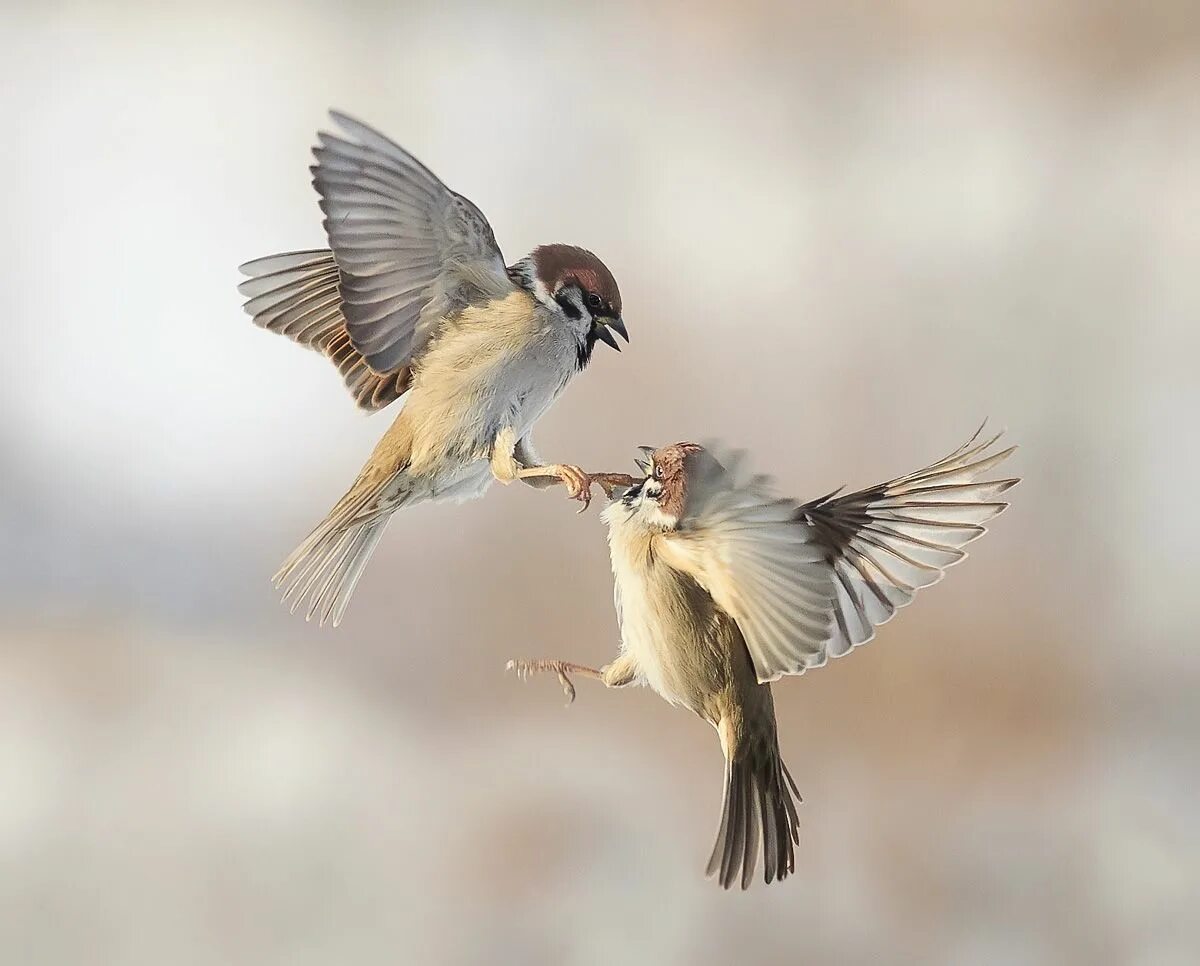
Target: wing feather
{"x": 405, "y": 252}
{"x": 297, "y": 295}
{"x": 811, "y": 582}
{"x": 888, "y": 541}
{"x": 407, "y": 247}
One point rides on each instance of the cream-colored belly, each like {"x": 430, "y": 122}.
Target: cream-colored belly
{"x": 644, "y": 639}
{"x": 667, "y": 627}
{"x": 492, "y": 369}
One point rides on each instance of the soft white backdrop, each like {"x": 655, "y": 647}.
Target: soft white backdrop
{"x": 844, "y": 235}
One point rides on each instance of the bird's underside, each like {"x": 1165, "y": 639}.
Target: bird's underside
{"x": 413, "y": 299}
{"x": 722, "y": 587}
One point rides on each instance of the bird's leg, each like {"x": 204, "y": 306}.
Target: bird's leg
{"x": 608, "y": 482}
{"x": 510, "y": 461}
{"x": 579, "y": 482}
{"x": 525, "y": 669}
{"x": 615, "y": 675}
{"x": 504, "y": 463}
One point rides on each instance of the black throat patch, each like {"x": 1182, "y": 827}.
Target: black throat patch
{"x": 521, "y": 276}
{"x": 584, "y": 354}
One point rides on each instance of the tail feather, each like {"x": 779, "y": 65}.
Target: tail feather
{"x": 757, "y": 807}
{"x": 326, "y": 567}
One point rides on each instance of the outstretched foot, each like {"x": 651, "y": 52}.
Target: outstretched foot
{"x": 525, "y": 669}
{"x": 609, "y": 482}
{"x": 579, "y": 483}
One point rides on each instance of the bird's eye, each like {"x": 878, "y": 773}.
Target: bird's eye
{"x": 594, "y": 301}
{"x": 658, "y": 472}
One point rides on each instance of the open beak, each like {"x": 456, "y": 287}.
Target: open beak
{"x": 604, "y": 331}
{"x": 645, "y": 463}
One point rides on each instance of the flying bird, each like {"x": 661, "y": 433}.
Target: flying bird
{"x": 723, "y": 587}
{"x": 413, "y": 300}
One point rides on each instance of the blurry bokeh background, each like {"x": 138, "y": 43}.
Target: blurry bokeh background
{"x": 844, "y": 233}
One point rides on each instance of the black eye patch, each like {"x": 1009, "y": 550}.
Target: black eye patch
{"x": 568, "y": 307}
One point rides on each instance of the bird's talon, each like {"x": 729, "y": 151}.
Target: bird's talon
{"x": 526, "y": 669}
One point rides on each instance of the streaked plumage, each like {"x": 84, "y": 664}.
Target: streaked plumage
{"x": 413, "y": 299}
{"x": 723, "y": 587}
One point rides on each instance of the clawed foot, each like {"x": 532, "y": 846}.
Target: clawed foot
{"x": 609, "y": 482}
{"x": 525, "y": 669}
{"x": 579, "y": 483}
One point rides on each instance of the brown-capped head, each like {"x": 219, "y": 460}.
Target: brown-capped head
{"x": 671, "y": 472}
{"x": 583, "y": 288}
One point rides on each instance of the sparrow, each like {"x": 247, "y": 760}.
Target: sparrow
{"x": 412, "y": 300}
{"x": 723, "y": 587}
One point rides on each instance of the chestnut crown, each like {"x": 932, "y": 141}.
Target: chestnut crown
{"x": 669, "y": 470}
{"x": 558, "y": 266}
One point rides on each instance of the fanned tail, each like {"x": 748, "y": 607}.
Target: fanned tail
{"x": 326, "y": 567}
{"x": 760, "y": 801}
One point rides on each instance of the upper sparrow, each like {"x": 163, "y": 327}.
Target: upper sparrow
{"x": 413, "y": 299}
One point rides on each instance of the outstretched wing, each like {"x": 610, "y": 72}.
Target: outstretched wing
{"x": 888, "y": 541}
{"x": 811, "y": 582}
{"x": 296, "y": 294}
{"x": 764, "y": 567}
{"x": 408, "y": 248}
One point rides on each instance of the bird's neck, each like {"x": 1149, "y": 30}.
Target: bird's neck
{"x": 523, "y": 274}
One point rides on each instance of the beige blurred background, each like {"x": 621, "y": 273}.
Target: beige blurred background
{"x": 844, "y": 235}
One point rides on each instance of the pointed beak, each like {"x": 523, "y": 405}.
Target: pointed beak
{"x": 605, "y": 329}
{"x": 645, "y": 463}
{"x": 604, "y": 335}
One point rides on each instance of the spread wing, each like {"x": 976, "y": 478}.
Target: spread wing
{"x": 810, "y": 582}
{"x": 762, "y": 565}
{"x": 296, "y": 294}
{"x": 408, "y": 249}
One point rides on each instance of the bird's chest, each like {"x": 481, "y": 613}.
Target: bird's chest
{"x": 520, "y": 389}
{"x": 484, "y": 375}
{"x": 669, "y": 626}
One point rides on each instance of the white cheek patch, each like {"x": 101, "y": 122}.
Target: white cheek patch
{"x": 615, "y": 514}
{"x": 655, "y": 517}
{"x": 644, "y": 510}
{"x": 543, "y": 294}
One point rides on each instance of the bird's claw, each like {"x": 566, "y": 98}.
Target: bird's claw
{"x": 609, "y": 482}
{"x": 526, "y": 669}
{"x": 579, "y": 484}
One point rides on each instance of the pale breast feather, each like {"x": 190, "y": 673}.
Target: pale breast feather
{"x": 489, "y": 367}
{"x": 659, "y": 616}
